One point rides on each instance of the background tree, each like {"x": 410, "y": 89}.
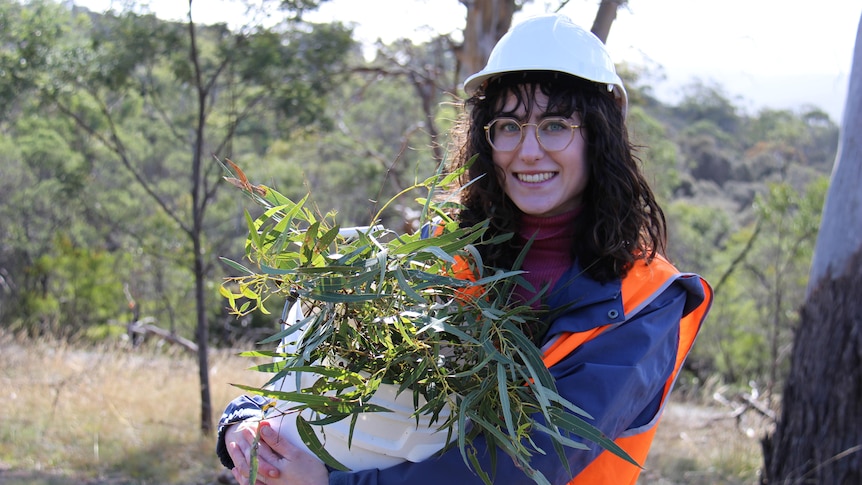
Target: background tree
{"x": 44, "y": 175}
{"x": 818, "y": 438}
{"x": 487, "y": 21}
{"x": 152, "y": 94}
{"x": 384, "y": 139}
{"x": 605, "y": 17}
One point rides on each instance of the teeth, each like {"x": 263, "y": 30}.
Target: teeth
{"x": 534, "y": 178}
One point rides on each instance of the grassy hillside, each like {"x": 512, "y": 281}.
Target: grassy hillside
{"x": 112, "y": 415}
{"x": 107, "y": 415}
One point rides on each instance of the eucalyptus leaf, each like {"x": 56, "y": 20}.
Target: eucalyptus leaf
{"x": 578, "y": 426}
{"x": 310, "y": 439}
{"x": 407, "y": 288}
{"x": 237, "y": 266}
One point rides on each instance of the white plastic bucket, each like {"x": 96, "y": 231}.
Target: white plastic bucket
{"x": 380, "y": 439}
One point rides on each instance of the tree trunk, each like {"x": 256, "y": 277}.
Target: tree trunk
{"x": 487, "y": 21}
{"x": 202, "y": 338}
{"x": 200, "y": 201}
{"x": 818, "y": 438}
{"x": 605, "y": 17}
{"x": 839, "y": 237}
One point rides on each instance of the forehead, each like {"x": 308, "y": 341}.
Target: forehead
{"x": 523, "y": 100}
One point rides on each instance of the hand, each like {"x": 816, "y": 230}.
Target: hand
{"x": 239, "y": 439}
{"x": 279, "y": 462}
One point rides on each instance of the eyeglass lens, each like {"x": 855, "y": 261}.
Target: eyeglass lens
{"x": 554, "y": 134}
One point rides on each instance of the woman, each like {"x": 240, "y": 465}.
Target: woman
{"x": 546, "y": 118}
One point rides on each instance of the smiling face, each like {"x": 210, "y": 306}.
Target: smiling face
{"x": 539, "y": 182}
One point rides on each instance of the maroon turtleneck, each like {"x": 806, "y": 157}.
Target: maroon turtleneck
{"x": 550, "y": 254}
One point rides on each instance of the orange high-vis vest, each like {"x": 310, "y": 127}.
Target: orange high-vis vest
{"x": 643, "y": 283}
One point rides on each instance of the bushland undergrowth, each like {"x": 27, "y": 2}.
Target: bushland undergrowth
{"x": 115, "y": 415}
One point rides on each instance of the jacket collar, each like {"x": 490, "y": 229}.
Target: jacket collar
{"x": 577, "y": 294}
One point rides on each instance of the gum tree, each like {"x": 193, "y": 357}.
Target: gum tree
{"x": 818, "y": 438}
{"x": 161, "y": 99}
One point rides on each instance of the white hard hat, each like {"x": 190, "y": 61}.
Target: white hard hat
{"x": 551, "y": 43}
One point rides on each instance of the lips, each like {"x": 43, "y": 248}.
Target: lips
{"x": 535, "y": 178}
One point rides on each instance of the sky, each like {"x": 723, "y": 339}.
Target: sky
{"x": 778, "y": 54}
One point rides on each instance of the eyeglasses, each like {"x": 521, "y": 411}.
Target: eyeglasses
{"x": 554, "y": 134}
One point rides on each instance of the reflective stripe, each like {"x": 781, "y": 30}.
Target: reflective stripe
{"x": 643, "y": 284}
{"x": 564, "y": 344}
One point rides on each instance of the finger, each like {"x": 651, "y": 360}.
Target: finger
{"x": 279, "y": 445}
{"x": 268, "y": 462}
{"x": 241, "y": 440}
{"x": 239, "y": 456}
{"x": 241, "y": 480}
{"x": 242, "y": 436}
{"x": 231, "y": 434}
{"x": 297, "y": 465}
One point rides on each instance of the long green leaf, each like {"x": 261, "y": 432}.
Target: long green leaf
{"x": 407, "y": 288}
{"x": 505, "y": 401}
{"x": 237, "y": 266}
{"x": 343, "y": 298}
{"x": 579, "y": 427}
{"x": 309, "y": 438}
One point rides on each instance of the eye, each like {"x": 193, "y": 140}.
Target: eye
{"x": 555, "y": 125}
{"x": 507, "y": 127}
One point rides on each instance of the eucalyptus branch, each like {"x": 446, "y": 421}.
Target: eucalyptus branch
{"x": 422, "y": 314}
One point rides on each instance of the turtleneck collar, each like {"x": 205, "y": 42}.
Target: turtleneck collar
{"x": 560, "y": 226}
{"x": 550, "y": 253}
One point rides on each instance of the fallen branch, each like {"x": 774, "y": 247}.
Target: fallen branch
{"x": 739, "y": 408}
{"x": 758, "y": 406}
{"x": 144, "y": 327}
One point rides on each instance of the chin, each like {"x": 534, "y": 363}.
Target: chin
{"x": 536, "y": 212}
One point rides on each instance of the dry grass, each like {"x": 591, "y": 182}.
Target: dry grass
{"x": 108, "y": 415}
{"x": 703, "y": 445}
{"x": 117, "y": 416}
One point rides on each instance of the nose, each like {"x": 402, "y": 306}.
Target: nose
{"x": 530, "y": 149}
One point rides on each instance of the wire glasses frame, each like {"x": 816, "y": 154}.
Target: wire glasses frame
{"x": 553, "y": 134}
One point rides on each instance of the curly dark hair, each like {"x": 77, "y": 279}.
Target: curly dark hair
{"x": 620, "y": 220}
